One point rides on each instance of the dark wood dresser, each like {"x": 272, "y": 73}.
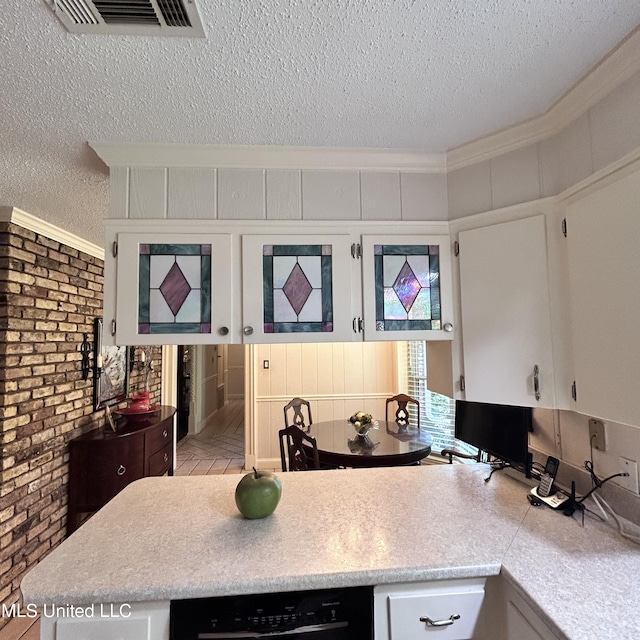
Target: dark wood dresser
{"x": 103, "y": 462}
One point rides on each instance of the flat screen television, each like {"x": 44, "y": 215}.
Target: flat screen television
{"x": 500, "y": 430}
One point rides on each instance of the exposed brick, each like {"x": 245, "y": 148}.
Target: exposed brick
{"x": 49, "y": 297}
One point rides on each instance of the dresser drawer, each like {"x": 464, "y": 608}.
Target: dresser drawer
{"x": 103, "y": 469}
{"x": 161, "y": 461}
{"x": 443, "y": 611}
{"x": 158, "y": 437}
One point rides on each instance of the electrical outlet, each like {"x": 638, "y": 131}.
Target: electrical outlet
{"x": 629, "y": 482}
{"x": 597, "y": 435}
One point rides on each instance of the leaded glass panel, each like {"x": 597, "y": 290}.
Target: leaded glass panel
{"x": 174, "y": 293}
{"x": 407, "y": 287}
{"x": 297, "y": 288}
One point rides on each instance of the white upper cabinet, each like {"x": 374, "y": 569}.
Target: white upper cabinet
{"x": 506, "y": 321}
{"x": 296, "y": 288}
{"x": 265, "y": 282}
{"x": 173, "y": 288}
{"x": 603, "y": 236}
{"x": 407, "y": 292}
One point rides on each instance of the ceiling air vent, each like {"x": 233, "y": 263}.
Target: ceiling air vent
{"x": 130, "y": 17}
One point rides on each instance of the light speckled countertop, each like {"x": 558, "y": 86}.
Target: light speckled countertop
{"x": 182, "y": 537}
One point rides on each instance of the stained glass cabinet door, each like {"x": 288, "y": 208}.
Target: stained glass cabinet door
{"x": 296, "y": 288}
{"x": 407, "y": 288}
{"x": 173, "y": 289}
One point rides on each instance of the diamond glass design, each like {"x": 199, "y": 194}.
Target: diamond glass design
{"x": 407, "y": 287}
{"x": 174, "y": 288}
{"x": 297, "y": 288}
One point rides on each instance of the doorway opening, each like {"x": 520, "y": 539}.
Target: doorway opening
{"x": 212, "y": 383}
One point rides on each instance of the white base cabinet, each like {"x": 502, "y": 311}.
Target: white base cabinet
{"x": 446, "y": 610}
{"x": 522, "y": 622}
{"x": 123, "y": 621}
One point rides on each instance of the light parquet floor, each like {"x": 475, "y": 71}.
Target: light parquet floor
{"x": 218, "y": 448}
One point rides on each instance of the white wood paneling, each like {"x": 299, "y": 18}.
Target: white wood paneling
{"x": 337, "y": 378}
{"x": 469, "y": 190}
{"x": 424, "y": 196}
{"x": 241, "y": 194}
{"x": 565, "y": 159}
{"x": 147, "y": 193}
{"x": 330, "y": 195}
{"x": 614, "y": 123}
{"x": 118, "y": 192}
{"x": 515, "y": 177}
{"x": 284, "y": 195}
{"x": 191, "y": 193}
{"x": 380, "y": 195}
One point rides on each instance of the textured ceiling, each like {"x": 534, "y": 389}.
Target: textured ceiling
{"x": 404, "y": 74}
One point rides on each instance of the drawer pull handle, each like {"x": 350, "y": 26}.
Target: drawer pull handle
{"x": 166, "y": 458}
{"x": 121, "y": 470}
{"x": 165, "y": 433}
{"x": 440, "y": 623}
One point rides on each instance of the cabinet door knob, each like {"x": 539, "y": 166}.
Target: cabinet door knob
{"x": 448, "y": 327}
{"x": 165, "y": 433}
{"x": 247, "y": 331}
{"x": 223, "y": 331}
{"x": 166, "y": 457}
{"x": 440, "y": 623}
{"x": 121, "y": 470}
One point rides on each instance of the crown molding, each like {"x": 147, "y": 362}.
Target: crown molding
{"x": 27, "y": 221}
{"x": 148, "y": 154}
{"x": 617, "y": 67}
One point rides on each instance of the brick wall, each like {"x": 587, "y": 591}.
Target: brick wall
{"x": 49, "y": 296}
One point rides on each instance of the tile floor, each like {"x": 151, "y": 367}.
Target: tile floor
{"x": 218, "y": 448}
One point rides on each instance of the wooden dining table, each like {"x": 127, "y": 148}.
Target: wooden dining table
{"x": 388, "y": 445}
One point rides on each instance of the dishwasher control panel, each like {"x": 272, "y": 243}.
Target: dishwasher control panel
{"x": 326, "y": 613}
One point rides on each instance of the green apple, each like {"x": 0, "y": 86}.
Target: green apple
{"x": 258, "y": 494}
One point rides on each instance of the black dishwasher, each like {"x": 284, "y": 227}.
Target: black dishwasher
{"x": 326, "y": 614}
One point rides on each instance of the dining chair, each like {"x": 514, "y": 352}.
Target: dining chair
{"x": 402, "y": 416}
{"x": 296, "y": 406}
{"x": 292, "y": 439}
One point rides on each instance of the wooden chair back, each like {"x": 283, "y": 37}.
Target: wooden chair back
{"x": 402, "y": 416}
{"x": 298, "y": 418}
{"x": 292, "y": 439}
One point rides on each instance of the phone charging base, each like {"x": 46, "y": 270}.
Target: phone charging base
{"x": 555, "y": 500}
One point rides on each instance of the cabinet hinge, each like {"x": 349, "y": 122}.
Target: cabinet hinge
{"x": 456, "y": 248}
{"x": 564, "y": 227}
{"x": 574, "y": 391}
{"x": 356, "y": 250}
{"x": 462, "y": 385}
{"x": 114, "y": 249}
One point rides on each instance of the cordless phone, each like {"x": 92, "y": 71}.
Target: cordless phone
{"x": 546, "y": 481}
{"x": 542, "y": 493}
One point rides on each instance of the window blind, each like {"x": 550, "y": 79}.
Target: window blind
{"x": 437, "y": 412}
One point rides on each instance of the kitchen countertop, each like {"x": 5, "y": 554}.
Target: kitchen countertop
{"x": 182, "y": 537}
